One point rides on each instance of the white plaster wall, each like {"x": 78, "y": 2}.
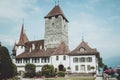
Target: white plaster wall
{"x": 20, "y": 68}
{"x": 19, "y": 50}
{"x": 56, "y": 63}
{"x": 93, "y": 63}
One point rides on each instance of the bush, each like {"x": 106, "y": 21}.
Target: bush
{"x": 48, "y": 71}
{"x": 61, "y": 74}
{"x": 30, "y": 70}
{"x": 29, "y": 75}
{"x": 39, "y": 74}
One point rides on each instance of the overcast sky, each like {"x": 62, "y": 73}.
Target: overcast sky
{"x": 97, "y": 20}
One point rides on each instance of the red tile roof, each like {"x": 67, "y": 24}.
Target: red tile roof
{"x": 23, "y": 38}
{"x": 62, "y": 49}
{"x": 87, "y": 50}
{"x": 55, "y": 12}
{"x": 37, "y": 52}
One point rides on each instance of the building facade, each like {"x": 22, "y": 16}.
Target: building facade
{"x": 54, "y": 49}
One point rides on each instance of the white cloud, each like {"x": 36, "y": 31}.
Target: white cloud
{"x": 15, "y": 9}
{"x": 7, "y": 40}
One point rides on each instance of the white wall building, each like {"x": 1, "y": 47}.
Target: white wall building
{"x": 54, "y": 48}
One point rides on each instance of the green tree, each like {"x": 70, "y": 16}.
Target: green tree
{"x": 30, "y": 70}
{"x": 6, "y": 66}
{"x": 100, "y": 63}
{"x": 48, "y": 71}
{"x": 105, "y": 68}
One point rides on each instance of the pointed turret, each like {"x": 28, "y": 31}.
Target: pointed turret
{"x": 23, "y": 38}
{"x": 14, "y": 50}
{"x": 56, "y": 11}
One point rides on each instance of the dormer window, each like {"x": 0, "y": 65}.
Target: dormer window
{"x": 82, "y": 49}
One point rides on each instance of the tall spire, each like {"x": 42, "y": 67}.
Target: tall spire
{"x": 82, "y": 38}
{"x": 58, "y": 2}
{"x": 23, "y": 38}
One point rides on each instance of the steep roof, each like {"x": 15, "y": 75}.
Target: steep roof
{"x": 55, "y": 12}
{"x": 14, "y": 47}
{"x": 62, "y": 49}
{"x": 37, "y": 51}
{"x": 23, "y": 38}
{"x": 84, "y": 49}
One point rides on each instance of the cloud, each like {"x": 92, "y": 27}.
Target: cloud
{"x": 7, "y": 40}
{"x": 16, "y": 9}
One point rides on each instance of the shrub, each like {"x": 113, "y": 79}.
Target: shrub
{"x": 61, "y": 74}
{"x": 39, "y": 74}
{"x": 48, "y": 71}
{"x": 30, "y": 70}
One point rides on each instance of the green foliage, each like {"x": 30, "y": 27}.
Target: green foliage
{"x": 55, "y": 69}
{"x": 64, "y": 69}
{"x": 48, "y": 71}
{"x": 105, "y": 68}
{"x": 39, "y": 74}
{"x": 61, "y": 74}
{"x": 7, "y": 69}
{"x": 68, "y": 68}
{"x": 30, "y": 70}
{"x": 100, "y": 63}
{"x": 92, "y": 67}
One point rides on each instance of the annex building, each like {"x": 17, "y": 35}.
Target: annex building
{"x": 54, "y": 49}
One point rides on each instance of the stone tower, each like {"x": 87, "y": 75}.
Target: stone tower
{"x": 56, "y": 28}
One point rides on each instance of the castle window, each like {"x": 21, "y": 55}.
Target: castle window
{"x": 76, "y": 68}
{"x": 75, "y": 59}
{"x": 64, "y": 57}
{"x": 88, "y": 67}
{"x": 89, "y": 59}
{"x": 57, "y": 58}
{"x": 33, "y": 46}
{"x": 82, "y": 59}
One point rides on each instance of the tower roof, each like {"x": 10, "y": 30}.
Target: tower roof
{"x": 55, "y": 12}
{"x": 23, "y": 38}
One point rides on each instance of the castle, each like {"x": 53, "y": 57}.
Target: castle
{"x": 54, "y": 49}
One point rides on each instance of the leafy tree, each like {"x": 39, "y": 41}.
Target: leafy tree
{"x": 7, "y": 69}
{"x": 48, "y": 71}
{"x": 30, "y": 70}
{"x": 105, "y": 68}
{"x": 100, "y": 63}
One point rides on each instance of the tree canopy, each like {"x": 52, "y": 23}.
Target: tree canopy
{"x": 7, "y": 68}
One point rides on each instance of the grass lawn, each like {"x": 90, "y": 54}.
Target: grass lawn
{"x": 71, "y": 78}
